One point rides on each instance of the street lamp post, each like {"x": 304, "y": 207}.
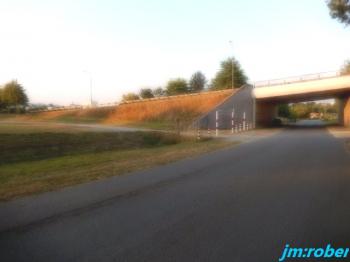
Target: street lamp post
{"x": 233, "y": 77}
{"x": 90, "y": 76}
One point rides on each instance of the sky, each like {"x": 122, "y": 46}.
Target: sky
{"x": 49, "y": 46}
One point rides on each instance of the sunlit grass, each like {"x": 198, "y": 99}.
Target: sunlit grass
{"x": 34, "y": 162}
{"x": 167, "y": 113}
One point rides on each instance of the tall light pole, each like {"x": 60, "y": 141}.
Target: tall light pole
{"x": 233, "y": 76}
{"x": 90, "y": 76}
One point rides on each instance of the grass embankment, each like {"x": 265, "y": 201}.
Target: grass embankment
{"x": 88, "y": 115}
{"x": 22, "y": 127}
{"x": 164, "y": 113}
{"x": 44, "y": 161}
{"x": 170, "y": 113}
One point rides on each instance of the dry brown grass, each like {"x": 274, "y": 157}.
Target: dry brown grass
{"x": 77, "y": 115}
{"x": 182, "y": 108}
{"x": 164, "y": 113}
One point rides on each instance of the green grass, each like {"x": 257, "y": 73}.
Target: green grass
{"x": 15, "y": 127}
{"x": 68, "y": 118}
{"x": 331, "y": 122}
{"x": 4, "y": 116}
{"x": 34, "y": 162}
{"x": 165, "y": 124}
{"x": 35, "y": 146}
{"x": 75, "y": 120}
{"x": 156, "y": 124}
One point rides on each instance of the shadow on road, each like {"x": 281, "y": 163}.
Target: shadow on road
{"x": 307, "y": 124}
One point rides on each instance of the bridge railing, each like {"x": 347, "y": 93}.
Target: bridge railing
{"x": 296, "y": 79}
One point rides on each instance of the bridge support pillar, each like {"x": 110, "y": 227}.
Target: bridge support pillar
{"x": 265, "y": 113}
{"x": 344, "y": 111}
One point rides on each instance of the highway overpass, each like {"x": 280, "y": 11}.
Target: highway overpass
{"x": 269, "y": 94}
{"x": 256, "y": 104}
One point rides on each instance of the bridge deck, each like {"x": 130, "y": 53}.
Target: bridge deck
{"x": 307, "y": 88}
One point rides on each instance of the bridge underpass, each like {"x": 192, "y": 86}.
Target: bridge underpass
{"x": 256, "y": 105}
{"x": 269, "y": 95}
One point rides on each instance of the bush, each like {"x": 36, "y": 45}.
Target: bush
{"x": 176, "y": 87}
{"x": 146, "y": 93}
{"x": 276, "y": 122}
{"x": 130, "y": 97}
{"x": 158, "y": 139}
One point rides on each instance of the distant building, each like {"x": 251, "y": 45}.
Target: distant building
{"x": 315, "y": 115}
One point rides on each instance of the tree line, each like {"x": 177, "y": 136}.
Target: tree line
{"x": 197, "y": 83}
{"x": 13, "y": 97}
{"x": 303, "y": 110}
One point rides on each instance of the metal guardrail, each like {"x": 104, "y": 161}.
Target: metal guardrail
{"x": 76, "y": 107}
{"x": 264, "y": 83}
{"x": 175, "y": 96}
{"x": 296, "y": 79}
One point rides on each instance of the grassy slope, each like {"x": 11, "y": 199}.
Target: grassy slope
{"x": 167, "y": 113}
{"x": 164, "y": 113}
{"x": 88, "y": 115}
{"x": 43, "y": 161}
{"x": 25, "y": 127}
{"x": 36, "y": 146}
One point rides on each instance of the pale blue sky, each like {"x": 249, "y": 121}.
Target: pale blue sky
{"x": 127, "y": 45}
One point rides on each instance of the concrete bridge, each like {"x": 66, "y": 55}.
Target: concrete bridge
{"x": 256, "y": 104}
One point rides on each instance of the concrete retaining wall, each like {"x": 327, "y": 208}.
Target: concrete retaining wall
{"x": 241, "y": 102}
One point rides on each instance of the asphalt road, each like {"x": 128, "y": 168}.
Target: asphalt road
{"x": 310, "y": 123}
{"x": 239, "y": 204}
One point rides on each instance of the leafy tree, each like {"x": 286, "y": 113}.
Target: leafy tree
{"x": 176, "y": 86}
{"x": 340, "y": 10}
{"x": 223, "y": 78}
{"x": 345, "y": 70}
{"x": 303, "y": 110}
{"x": 146, "y": 93}
{"x": 158, "y": 92}
{"x": 2, "y": 104}
{"x": 14, "y": 95}
{"x": 130, "y": 97}
{"x": 197, "y": 82}
{"x": 284, "y": 111}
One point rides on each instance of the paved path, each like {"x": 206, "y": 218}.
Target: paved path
{"x": 74, "y": 126}
{"x": 240, "y": 204}
{"x": 310, "y": 123}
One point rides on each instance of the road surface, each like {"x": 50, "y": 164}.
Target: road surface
{"x": 239, "y": 204}
{"x": 310, "y": 123}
